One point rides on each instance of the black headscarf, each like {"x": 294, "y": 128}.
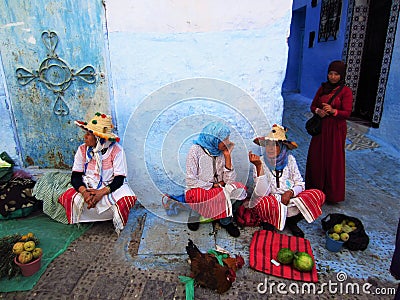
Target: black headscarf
{"x": 339, "y": 67}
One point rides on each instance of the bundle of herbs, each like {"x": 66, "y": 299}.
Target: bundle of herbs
{"x": 7, "y": 266}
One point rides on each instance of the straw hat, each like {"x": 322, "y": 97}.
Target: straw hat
{"x": 277, "y": 133}
{"x": 101, "y": 125}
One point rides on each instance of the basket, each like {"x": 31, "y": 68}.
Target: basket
{"x": 333, "y": 245}
{"x": 29, "y": 268}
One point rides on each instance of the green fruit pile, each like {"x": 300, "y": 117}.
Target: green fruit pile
{"x": 301, "y": 261}
{"x": 26, "y": 249}
{"x": 340, "y": 231}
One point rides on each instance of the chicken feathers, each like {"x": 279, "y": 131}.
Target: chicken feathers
{"x": 207, "y": 272}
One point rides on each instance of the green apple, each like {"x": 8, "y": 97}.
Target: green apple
{"x": 37, "y": 252}
{"x": 337, "y": 228}
{"x": 25, "y": 257}
{"x": 29, "y": 246}
{"x": 344, "y": 236}
{"x": 18, "y": 248}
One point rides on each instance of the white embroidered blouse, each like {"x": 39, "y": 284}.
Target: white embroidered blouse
{"x": 200, "y": 169}
{"x": 291, "y": 179}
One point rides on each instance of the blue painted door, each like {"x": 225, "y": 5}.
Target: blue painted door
{"x": 54, "y": 63}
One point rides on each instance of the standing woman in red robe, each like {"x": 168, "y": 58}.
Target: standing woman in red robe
{"x": 325, "y": 169}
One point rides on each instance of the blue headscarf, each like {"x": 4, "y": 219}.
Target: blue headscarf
{"x": 211, "y": 135}
{"x": 280, "y": 161}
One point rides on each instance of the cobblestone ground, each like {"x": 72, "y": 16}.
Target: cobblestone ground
{"x": 100, "y": 265}
{"x": 89, "y": 269}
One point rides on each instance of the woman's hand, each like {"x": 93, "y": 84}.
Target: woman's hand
{"x": 328, "y": 109}
{"x": 321, "y": 112}
{"x": 285, "y": 197}
{"x": 254, "y": 159}
{"x": 218, "y": 184}
{"x": 87, "y": 197}
{"x": 228, "y": 148}
{"x": 227, "y": 154}
{"x": 96, "y": 196}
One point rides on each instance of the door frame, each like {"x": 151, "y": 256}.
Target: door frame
{"x": 357, "y": 18}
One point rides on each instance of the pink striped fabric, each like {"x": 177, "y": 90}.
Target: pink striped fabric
{"x": 107, "y": 163}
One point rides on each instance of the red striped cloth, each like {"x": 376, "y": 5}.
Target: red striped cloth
{"x": 210, "y": 203}
{"x": 265, "y": 246}
{"x": 309, "y": 202}
{"x": 73, "y": 203}
{"x": 123, "y": 206}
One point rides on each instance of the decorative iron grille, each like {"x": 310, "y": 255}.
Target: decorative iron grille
{"x": 55, "y": 73}
{"x": 329, "y": 20}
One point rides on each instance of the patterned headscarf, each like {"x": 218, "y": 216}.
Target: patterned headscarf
{"x": 101, "y": 146}
{"x": 211, "y": 136}
{"x": 279, "y": 162}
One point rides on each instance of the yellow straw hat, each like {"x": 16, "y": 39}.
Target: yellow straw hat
{"x": 101, "y": 125}
{"x": 277, "y": 133}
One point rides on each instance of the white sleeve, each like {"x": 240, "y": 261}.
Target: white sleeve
{"x": 294, "y": 172}
{"x": 192, "y": 172}
{"x": 119, "y": 164}
{"x": 79, "y": 161}
{"x": 262, "y": 185}
{"x": 228, "y": 176}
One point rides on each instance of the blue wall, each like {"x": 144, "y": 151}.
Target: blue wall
{"x": 314, "y": 64}
{"x": 44, "y": 138}
{"x": 388, "y": 130}
{"x": 292, "y": 79}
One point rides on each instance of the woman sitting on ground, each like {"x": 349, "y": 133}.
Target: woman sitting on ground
{"x": 279, "y": 197}
{"x": 100, "y": 191}
{"x": 210, "y": 178}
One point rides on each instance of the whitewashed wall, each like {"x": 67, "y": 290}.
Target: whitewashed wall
{"x": 176, "y": 65}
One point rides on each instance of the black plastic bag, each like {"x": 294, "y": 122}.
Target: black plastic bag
{"x": 358, "y": 238}
{"x": 313, "y": 125}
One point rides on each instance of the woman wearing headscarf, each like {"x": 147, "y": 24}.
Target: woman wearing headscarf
{"x": 325, "y": 168}
{"x": 100, "y": 191}
{"x": 279, "y": 197}
{"x": 210, "y": 178}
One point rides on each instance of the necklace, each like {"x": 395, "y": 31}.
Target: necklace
{"x": 277, "y": 175}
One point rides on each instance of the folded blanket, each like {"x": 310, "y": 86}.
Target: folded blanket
{"x": 48, "y": 189}
{"x": 265, "y": 246}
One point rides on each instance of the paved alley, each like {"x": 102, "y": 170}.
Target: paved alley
{"x": 144, "y": 262}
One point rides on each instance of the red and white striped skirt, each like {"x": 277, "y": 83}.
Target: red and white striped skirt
{"x": 73, "y": 203}
{"x": 213, "y": 203}
{"x": 309, "y": 203}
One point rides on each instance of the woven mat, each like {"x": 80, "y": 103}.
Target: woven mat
{"x": 265, "y": 246}
{"x": 54, "y": 239}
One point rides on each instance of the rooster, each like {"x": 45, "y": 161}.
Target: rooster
{"x": 207, "y": 272}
